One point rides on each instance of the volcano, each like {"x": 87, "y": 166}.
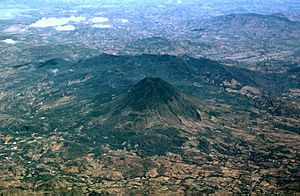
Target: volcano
{"x": 153, "y": 103}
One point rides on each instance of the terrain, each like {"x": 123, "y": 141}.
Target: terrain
{"x": 152, "y": 97}
{"x": 149, "y": 124}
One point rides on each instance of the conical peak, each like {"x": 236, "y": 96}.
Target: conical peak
{"x": 152, "y": 92}
{"x": 153, "y": 102}
{"x": 157, "y": 86}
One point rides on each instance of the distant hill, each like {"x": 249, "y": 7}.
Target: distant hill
{"x": 260, "y": 41}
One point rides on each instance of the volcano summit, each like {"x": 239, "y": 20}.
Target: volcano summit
{"x": 150, "y": 103}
